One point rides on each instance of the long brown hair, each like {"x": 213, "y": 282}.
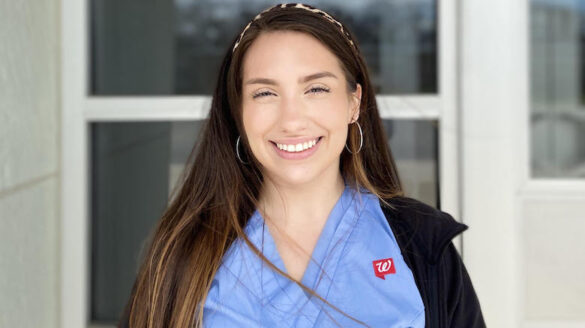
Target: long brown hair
{"x": 217, "y": 193}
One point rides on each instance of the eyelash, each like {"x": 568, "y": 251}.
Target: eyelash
{"x": 266, "y": 93}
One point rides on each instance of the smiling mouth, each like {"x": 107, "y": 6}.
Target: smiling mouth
{"x": 297, "y": 148}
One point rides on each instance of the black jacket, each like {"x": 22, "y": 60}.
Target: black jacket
{"x": 424, "y": 236}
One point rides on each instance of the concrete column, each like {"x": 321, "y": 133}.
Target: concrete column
{"x": 29, "y": 163}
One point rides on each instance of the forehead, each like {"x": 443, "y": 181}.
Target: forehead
{"x": 279, "y": 53}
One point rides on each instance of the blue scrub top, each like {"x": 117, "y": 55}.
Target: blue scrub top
{"x": 357, "y": 266}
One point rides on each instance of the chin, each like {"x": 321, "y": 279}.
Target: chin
{"x": 295, "y": 177}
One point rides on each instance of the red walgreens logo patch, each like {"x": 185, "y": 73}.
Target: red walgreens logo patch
{"x": 383, "y": 267}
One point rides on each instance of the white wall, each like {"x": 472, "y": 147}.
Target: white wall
{"x": 29, "y": 163}
{"x": 553, "y": 258}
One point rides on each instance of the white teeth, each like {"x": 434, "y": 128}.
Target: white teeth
{"x": 298, "y": 147}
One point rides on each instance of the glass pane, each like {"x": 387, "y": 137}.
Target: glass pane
{"x": 166, "y": 47}
{"x": 135, "y": 166}
{"x": 558, "y": 88}
{"x": 414, "y": 145}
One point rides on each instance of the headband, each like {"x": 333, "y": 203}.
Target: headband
{"x": 301, "y": 6}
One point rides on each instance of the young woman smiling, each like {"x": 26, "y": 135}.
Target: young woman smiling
{"x": 291, "y": 213}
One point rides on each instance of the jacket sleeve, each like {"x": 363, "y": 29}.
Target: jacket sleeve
{"x": 463, "y": 308}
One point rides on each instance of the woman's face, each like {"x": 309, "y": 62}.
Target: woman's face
{"x": 295, "y": 94}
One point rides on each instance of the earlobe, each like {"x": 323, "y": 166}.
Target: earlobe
{"x": 356, "y": 114}
{"x": 358, "y": 98}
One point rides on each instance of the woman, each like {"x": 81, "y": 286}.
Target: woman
{"x": 291, "y": 212}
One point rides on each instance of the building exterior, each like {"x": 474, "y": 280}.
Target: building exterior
{"x": 483, "y": 103}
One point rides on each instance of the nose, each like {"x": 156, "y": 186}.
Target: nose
{"x": 293, "y": 114}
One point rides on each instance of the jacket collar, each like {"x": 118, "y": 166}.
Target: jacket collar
{"x": 421, "y": 228}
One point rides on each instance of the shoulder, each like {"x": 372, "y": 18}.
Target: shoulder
{"x": 421, "y": 227}
{"x": 424, "y": 234}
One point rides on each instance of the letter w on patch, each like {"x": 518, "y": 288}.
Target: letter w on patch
{"x": 383, "y": 267}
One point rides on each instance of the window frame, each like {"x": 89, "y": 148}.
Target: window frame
{"x": 80, "y": 109}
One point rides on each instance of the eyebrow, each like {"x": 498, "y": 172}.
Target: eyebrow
{"x": 301, "y": 80}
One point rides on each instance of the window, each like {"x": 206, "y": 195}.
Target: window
{"x": 135, "y": 167}
{"x": 558, "y": 89}
{"x": 165, "y": 47}
{"x": 143, "y": 88}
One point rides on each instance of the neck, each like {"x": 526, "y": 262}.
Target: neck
{"x": 295, "y": 207}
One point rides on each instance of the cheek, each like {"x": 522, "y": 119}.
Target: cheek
{"x": 257, "y": 121}
{"x": 333, "y": 114}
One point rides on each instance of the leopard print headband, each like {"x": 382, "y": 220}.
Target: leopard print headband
{"x": 301, "y": 6}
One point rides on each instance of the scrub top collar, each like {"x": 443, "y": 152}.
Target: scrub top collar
{"x": 278, "y": 289}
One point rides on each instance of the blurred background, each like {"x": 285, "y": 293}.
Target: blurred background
{"x": 101, "y": 102}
